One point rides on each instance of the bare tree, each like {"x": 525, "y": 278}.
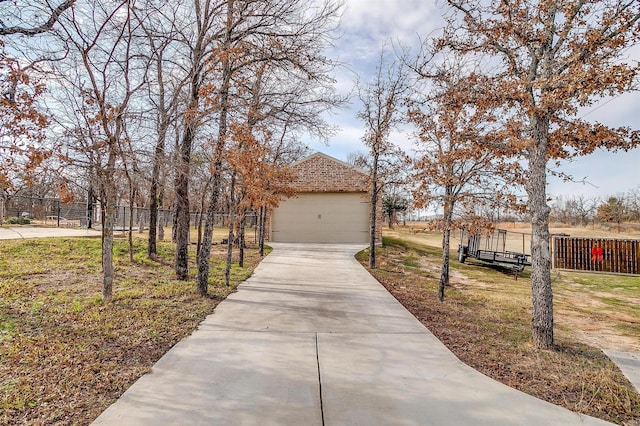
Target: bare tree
{"x": 579, "y": 209}
{"x": 23, "y": 147}
{"x": 104, "y": 78}
{"x": 452, "y": 169}
{"x": 160, "y": 25}
{"x": 288, "y": 35}
{"x": 394, "y": 200}
{"x": 201, "y": 47}
{"x": 381, "y": 100}
{"x": 633, "y": 203}
{"x": 544, "y": 59}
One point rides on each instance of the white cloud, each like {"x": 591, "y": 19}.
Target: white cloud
{"x": 367, "y": 24}
{"x": 388, "y": 19}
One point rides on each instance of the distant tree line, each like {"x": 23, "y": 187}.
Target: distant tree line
{"x": 581, "y": 210}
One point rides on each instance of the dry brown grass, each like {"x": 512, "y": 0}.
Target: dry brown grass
{"x": 485, "y": 321}
{"x": 64, "y": 355}
{"x": 518, "y": 233}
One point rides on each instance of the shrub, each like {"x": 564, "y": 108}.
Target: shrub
{"x": 18, "y": 221}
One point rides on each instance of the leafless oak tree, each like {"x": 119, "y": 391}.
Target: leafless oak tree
{"x": 104, "y": 78}
{"x": 381, "y": 112}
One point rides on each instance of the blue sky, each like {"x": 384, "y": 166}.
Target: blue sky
{"x": 367, "y": 24}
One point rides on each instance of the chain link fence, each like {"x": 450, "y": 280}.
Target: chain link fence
{"x": 81, "y": 214}
{"x": 44, "y": 211}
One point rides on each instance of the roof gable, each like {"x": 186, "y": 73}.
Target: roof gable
{"x": 321, "y": 158}
{"x": 322, "y": 173}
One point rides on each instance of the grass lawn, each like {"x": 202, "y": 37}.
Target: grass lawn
{"x": 486, "y": 316}
{"x": 64, "y": 355}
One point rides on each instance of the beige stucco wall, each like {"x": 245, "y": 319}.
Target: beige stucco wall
{"x": 322, "y": 173}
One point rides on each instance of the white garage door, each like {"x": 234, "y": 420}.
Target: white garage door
{"x": 322, "y": 218}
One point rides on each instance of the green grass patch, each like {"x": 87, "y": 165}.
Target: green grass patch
{"x": 7, "y": 326}
{"x": 619, "y": 284}
{"x": 620, "y": 305}
{"x": 421, "y": 249}
{"x": 411, "y": 261}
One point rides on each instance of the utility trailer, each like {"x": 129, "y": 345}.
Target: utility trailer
{"x": 491, "y": 248}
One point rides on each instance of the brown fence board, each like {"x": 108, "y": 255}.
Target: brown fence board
{"x": 596, "y": 254}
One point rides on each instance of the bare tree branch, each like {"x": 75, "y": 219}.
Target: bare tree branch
{"x": 39, "y": 29}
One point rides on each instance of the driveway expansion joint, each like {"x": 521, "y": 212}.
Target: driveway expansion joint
{"x": 319, "y": 380}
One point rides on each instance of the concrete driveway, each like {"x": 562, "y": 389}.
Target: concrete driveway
{"x": 20, "y": 232}
{"x": 313, "y": 339}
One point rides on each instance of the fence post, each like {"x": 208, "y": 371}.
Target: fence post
{"x": 90, "y": 208}
{"x": 58, "y": 212}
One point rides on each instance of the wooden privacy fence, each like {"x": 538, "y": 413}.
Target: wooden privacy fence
{"x": 596, "y": 254}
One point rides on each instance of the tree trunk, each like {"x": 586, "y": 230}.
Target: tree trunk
{"x": 140, "y": 219}
{"x": 130, "y": 226}
{"x": 160, "y": 231}
{"x": 162, "y": 220}
{"x": 152, "y": 248}
{"x": 158, "y": 158}
{"x": 182, "y": 206}
{"x": 3, "y": 207}
{"x": 229, "y": 260}
{"x": 542, "y": 296}
{"x": 108, "y": 223}
{"x": 203, "y": 201}
{"x": 174, "y": 224}
{"x": 262, "y": 232}
{"x": 103, "y": 209}
{"x": 90, "y": 201}
{"x": 205, "y": 247}
{"x": 216, "y": 179}
{"x": 216, "y": 183}
{"x": 232, "y": 224}
{"x": 199, "y": 222}
{"x": 241, "y": 237}
{"x": 184, "y": 171}
{"x": 446, "y": 247}
{"x": 107, "y": 251}
{"x": 374, "y": 206}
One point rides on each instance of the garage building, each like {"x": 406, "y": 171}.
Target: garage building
{"x": 331, "y": 204}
